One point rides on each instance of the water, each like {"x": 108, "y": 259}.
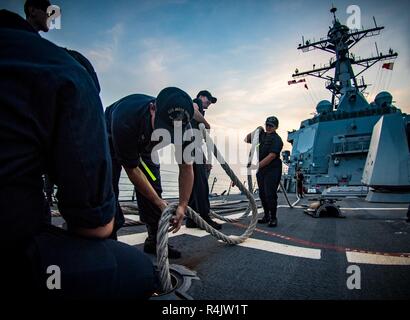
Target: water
{"x": 169, "y": 177}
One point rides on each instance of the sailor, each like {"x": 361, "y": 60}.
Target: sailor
{"x": 34, "y": 11}
{"x": 131, "y": 122}
{"x": 148, "y": 212}
{"x": 36, "y": 14}
{"x": 52, "y": 121}
{"x": 86, "y": 64}
{"x": 299, "y": 182}
{"x": 199, "y": 200}
{"x": 269, "y": 170}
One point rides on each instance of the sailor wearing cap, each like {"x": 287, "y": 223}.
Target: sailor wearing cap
{"x": 199, "y": 200}
{"x": 269, "y": 170}
{"x": 130, "y": 124}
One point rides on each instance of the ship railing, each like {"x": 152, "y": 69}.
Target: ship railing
{"x": 350, "y": 147}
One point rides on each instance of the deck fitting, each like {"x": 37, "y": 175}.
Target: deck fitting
{"x": 181, "y": 278}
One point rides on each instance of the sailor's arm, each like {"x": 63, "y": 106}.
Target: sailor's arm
{"x": 80, "y": 162}
{"x": 186, "y": 181}
{"x": 141, "y": 183}
{"x": 248, "y": 138}
{"x": 199, "y": 117}
{"x": 275, "y": 146}
{"x": 268, "y": 159}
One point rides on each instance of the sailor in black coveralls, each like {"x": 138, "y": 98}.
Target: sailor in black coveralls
{"x": 269, "y": 170}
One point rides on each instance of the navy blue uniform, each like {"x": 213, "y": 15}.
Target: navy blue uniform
{"x": 199, "y": 200}
{"x": 87, "y": 65}
{"x": 269, "y": 177}
{"x": 129, "y": 132}
{"x": 52, "y": 121}
{"x": 150, "y": 214}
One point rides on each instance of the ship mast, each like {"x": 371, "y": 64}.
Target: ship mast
{"x": 340, "y": 39}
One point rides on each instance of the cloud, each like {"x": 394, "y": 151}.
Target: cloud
{"x": 255, "y": 94}
{"x": 158, "y": 63}
{"x": 102, "y": 58}
{"x": 103, "y": 53}
{"x": 249, "y": 79}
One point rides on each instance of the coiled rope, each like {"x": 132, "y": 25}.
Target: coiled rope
{"x": 162, "y": 235}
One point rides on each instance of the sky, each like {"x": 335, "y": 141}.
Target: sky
{"x": 243, "y": 51}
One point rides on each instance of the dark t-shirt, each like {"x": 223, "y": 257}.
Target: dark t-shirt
{"x": 87, "y": 65}
{"x": 51, "y": 121}
{"x": 198, "y": 143}
{"x": 194, "y": 123}
{"x": 129, "y": 129}
{"x": 270, "y": 143}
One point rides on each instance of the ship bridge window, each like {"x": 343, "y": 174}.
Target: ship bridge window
{"x": 306, "y": 140}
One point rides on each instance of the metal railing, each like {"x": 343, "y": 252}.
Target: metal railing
{"x": 351, "y": 147}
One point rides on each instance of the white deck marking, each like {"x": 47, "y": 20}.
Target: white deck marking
{"x": 133, "y": 217}
{"x": 269, "y": 246}
{"x": 375, "y": 209}
{"x": 133, "y": 239}
{"x": 139, "y": 238}
{"x": 379, "y": 259}
{"x": 281, "y": 248}
{"x": 294, "y": 207}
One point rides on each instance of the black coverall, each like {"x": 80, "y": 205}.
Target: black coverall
{"x": 129, "y": 130}
{"x": 150, "y": 214}
{"x": 129, "y": 133}
{"x": 52, "y": 122}
{"x": 269, "y": 177}
{"x": 199, "y": 200}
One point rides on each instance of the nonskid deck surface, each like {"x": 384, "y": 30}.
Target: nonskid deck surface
{"x": 303, "y": 258}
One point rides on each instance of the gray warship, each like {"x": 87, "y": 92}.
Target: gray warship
{"x": 332, "y": 147}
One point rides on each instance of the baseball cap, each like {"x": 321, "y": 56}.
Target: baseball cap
{"x": 273, "y": 121}
{"x": 173, "y": 104}
{"x": 207, "y": 94}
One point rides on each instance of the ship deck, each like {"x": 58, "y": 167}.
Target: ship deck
{"x": 302, "y": 258}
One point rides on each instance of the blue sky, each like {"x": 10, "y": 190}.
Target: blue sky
{"x": 244, "y": 52}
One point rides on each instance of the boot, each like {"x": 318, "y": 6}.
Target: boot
{"x": 190, "y": 223}
{"x": 264, "y": 220}
{"x": 151, "y": 248}
{"x": 152, "y": 230}
{"x": 212, "y": 223}
{"x": 273, "y": 222}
